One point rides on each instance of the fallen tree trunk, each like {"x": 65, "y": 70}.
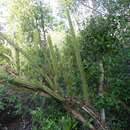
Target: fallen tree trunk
{"x": 45, "y": 91}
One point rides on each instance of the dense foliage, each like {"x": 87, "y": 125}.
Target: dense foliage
{"x": 83, "y": 84}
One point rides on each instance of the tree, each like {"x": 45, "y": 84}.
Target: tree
{"x": 33, "y": 22}
{"x": 50, "y": 76}
{"x": 88, "y": 76}
{"x": 100, "y": 42}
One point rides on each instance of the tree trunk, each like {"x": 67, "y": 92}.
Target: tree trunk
{"x": 101, "y": 91}
{"x": 17, "y": 55}
{"x": 47, "y": 92}
{"x": 43, "y": 26}
{"x": 94, "y": 4}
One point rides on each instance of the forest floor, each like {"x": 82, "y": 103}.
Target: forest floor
{"x": 9, "y": 122}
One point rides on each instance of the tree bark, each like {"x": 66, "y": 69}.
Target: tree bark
{"x": 101, "y": 91}
{"x": 94, "y": 4}
{"x": 17, "y": 55}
